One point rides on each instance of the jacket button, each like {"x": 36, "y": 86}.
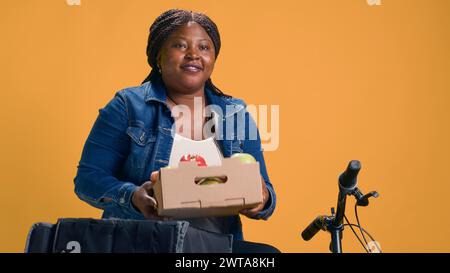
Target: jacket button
{"x": 142, "y": 137}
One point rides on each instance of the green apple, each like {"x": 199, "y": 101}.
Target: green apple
{"x": 210, "y": 181}
{"x": 245, "y": 158}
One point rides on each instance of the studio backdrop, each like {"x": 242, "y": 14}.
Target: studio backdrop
{"x": 336, "y": 80}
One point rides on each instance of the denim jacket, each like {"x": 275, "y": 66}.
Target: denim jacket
{"x": 132, "y": 137}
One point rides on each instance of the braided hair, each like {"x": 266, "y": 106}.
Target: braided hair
{"x": 168, "y": 22}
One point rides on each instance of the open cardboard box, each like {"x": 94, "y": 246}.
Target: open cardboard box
{"x": 178, "y": 195}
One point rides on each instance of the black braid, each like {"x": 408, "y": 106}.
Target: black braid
{"x": 166, "y": 24}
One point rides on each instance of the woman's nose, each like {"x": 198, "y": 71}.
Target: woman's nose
{"x": 191, "y": 54}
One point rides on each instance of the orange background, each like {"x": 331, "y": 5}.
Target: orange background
{"x": 353, "y": 81}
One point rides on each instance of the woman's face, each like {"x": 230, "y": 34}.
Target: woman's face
{"x": 187, "y": 59}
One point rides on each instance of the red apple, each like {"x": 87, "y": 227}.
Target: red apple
{"x": 199, "y": 159}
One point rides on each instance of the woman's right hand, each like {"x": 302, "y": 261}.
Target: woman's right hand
{"x": 144, "y": 201}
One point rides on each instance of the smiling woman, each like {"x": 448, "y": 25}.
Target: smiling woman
{"x": 187, "y": 60}
{"x": 132, "y": 137}
{"x": 183, "y": 33}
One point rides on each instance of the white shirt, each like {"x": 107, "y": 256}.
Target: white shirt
{"x": 206, "y": 148}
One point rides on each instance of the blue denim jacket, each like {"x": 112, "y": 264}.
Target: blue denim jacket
{"x": 132, "y": 136}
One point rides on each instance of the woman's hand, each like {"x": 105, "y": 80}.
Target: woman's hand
{"x": 253, "y": 211}
{"x": 144, "y": 201}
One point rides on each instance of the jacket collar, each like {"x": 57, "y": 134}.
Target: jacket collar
{"x": 155, "y": 91}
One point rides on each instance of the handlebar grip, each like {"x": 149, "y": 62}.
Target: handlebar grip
{"x": 313, "y": 228}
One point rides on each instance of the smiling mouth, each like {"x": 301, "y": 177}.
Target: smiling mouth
{"x": 191, "y": 68}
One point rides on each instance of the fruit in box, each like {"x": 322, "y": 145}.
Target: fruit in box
{"x": 199, "y": 159}
{"x": 245, "y": 158}
{"x": 210, "y": 181}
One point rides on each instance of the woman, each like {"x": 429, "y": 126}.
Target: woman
{"x": 132, "y": 137}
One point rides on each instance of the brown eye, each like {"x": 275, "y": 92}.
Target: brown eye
{"x": 204, "y": 47}
{"x": 178, "y": 45}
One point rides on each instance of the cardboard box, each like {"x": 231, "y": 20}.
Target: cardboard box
{"x": 178, "y": 195}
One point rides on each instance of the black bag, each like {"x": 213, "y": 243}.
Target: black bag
{"x": 71, "y": 235}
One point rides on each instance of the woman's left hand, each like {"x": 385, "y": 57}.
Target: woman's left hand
{"x": 254, "y": 211}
